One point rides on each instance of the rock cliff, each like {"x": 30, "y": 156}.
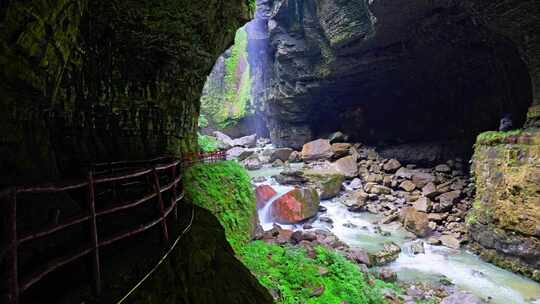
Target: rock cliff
{"x": 505, "y": 219}
{"x": 394, "y": 71}
{"x": 85, "y": 81}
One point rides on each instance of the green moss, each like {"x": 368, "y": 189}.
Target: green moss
{"x": 227, "y": 100}
{"x": 225, "y": 189}
{"x": 207, "y": 143}
{"x": 295, "y": 276}
{"x": 495, "y": 137}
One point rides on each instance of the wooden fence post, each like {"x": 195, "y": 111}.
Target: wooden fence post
{"x": 161, "y": 206}
{"x": 174, "y": 197}
{"x": 12, "y": 243}
{"x": 96, "y": 268}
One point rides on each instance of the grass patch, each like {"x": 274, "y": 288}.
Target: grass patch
{"x": 295, "y": 276}
{"x": 224, "y": 188}
{"x": 495, "y": 137}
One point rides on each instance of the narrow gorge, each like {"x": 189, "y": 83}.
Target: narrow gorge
{"x": 270, "y": 151}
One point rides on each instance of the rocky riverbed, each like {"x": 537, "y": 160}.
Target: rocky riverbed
{"x": 399, "y": 221}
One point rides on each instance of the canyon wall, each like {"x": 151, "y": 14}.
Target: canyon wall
{"x": 85, "y": 81}
{"x": 504, "y": 222}
{"x": 391, "y": 72}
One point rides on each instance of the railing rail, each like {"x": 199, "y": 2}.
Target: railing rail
{"x": 105, "y": 177}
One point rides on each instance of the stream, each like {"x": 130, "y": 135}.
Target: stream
{"x": 464, "y": 269}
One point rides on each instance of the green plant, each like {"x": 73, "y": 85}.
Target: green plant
{"x": 296, "y": 277}
{"x": 203, "y": 121}
{"x": 207, "y": 143}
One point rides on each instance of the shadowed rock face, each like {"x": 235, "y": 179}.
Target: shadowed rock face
{"x": 104, "y": 80}
{"x": 393, "y": 71}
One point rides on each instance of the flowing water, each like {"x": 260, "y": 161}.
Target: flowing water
{"x": 462, "y": 268}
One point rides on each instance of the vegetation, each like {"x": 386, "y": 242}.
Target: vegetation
{"x": 207, "y": 143}
{"x": 495, "y": 137}
{"x": 225, "y": 189}
{"x": 224, "y": 103}
{"x": 297, "y": 278}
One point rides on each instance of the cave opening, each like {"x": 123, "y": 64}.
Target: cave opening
{"x": 443, "y": 86}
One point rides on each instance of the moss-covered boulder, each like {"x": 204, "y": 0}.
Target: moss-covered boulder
{"x": 327, "y": 181}
{"x": 225, "y": 189}
{"x": 505, "y": 219}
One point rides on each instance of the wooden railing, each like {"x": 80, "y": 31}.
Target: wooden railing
{"x": 111, "y": 176}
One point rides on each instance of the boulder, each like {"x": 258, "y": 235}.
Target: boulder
{"x": 358, "y": 201}
{"x": 295, "y": 157}
{"x": 252, "y": 163}
{"x": 278, "y": 163}
{"x": 355, "y": 184}
{"x": 444, "y": 168}
{"x": 341, "y": 150}
{"x": 415, "y": 221}
{"x": 245, "y": 154}
{"x": 284, "y": 236}
{"x": 296, "y": 205}
{"x": 282, "y": 154}
{"x": 259, "y": 179}
{"x": 416, "y": 247}
{"x": 263, "y": 194}
{"x": 407, "y": 186}
{"x": 420, "y": 179}
{"x": 447, "y": 200}
{"x": 387, "y": 275}
{"x": 235, "y": 152}
{"x": 388, "y": 254}
{"x": 430, "y": 191}
{"x": 404, "y": 173}
{"x": 327, "y": 181}
{"x": 347, "y": 166}
{"x": 290, "y": 177}
{"x": 225, "y": 141}
{"x": 423, "y": 204}
{"x": 437, "y": 217}
{"x": 338, "y": 137}
{"x": 374, "y": 178}
{"x": 317, "y": 150}
{"x": 391, "y": 166}
{"x": 359, "y": 256}
{"x": 249, "y": 141}
{"x": 461, "y": 297}
{"x": 377, "y": 189}
{"x": 450, "y": 241}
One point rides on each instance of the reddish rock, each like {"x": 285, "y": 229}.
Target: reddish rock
{"x": 296, "y": 205}
{"x": 264, "y": 193}
{"x": 317, "y": 149}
